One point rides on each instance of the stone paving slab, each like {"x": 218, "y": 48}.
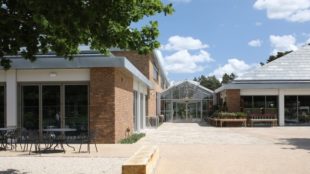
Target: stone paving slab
{"x": 195, "y": 148}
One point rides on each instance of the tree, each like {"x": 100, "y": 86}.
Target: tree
{"x": 228, "y": 78}
{"x": 274, "y": 57}
{"x": 209, "y": 82}
{"x": 30, "y": 27}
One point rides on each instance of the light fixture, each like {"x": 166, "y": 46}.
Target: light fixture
{"x": 53, "y": 74}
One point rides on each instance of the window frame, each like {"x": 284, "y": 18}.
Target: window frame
{"x": 155, "y": 72}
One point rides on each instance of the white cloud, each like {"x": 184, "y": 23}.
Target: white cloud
{"x": 283, "y": 43}
{"x": 184, "y": 62}
{"x": 176, "y": 43}
{"x": 234, "y": 65}
{"x": 184, "y": 55}
{"x": 255, "y": 43}
{"x": 291, "y": 10}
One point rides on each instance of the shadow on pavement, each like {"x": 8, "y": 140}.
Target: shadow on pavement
{"x": 11, "y": 171}
{"x": 298, "y": 143}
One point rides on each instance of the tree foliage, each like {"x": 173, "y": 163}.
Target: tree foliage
{"x": 274, "y": 57}
{"x": 210, "y": 82}
{"x": 29, "y": 27}
{"x": 228, "y": 78}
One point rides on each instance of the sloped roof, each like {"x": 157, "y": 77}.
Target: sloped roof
{"x": 293, "y": 66}
{"x": 194, "y": 83}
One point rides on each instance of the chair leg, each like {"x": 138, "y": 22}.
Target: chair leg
{"x": 88, "y": 147}
{"x": 96, "y": 146}
{"x": 30, "y": 148}
{"x": 80, "y": 147}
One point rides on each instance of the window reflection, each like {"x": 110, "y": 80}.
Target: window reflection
{"x": 76, "y": 107}
{"x": 297, "y": 110}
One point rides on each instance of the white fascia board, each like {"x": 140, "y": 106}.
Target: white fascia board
{"x": 265, "y": 86}
{"x": 79, "y": 62}
{"x": 131, "y": 68}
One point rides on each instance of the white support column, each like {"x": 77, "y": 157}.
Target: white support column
{"x": 143, "y": 113}
{"x": 281, "y": 108}
{"x": 11, "y": 98}
{"x": 138, "y": 112}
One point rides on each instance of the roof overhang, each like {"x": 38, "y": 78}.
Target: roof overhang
{"x": 82, "y": 61}
{"x": 264, "y": 85}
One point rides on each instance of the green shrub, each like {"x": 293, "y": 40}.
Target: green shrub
{"x": 241, "y": 114}
{"x": 133, "y": 138}
{"x": 229, "y": 115}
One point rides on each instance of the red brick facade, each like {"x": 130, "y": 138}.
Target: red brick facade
{"x": 111, "y": 103}
{"x": 233, "y": 100}
{"x": 145, "y": 63}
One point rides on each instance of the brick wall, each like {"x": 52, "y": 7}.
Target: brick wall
{"x": 123, "y": 104}
{"x": 144, "y": 63}
{"x": 111, "y": 103}
{"x": 233, "y": 100}
{"x": 141, "y": 62}
{"x": 102, "y": 105}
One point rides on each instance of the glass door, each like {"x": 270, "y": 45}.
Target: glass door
{"x": 194, "y": 111}
{"x": 76, "y": 107}
{"x": 51, "y": 115}
{"x": 30, "y": 107}
{"x": 179, "y": 111}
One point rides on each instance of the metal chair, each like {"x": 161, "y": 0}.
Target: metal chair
{"x": 11, "y": 135}
{"x": 34, "y": 139}
{"x": 88, "y": 139}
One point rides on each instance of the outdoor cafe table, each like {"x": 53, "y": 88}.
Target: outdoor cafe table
{"x": 3, "y": 130}
{"x": 61, "y": 140}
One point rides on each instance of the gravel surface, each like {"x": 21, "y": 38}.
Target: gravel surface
{"x": 59, "y": 165}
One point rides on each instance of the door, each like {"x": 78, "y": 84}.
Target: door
{"x": 180, "y": 110}
{"x": 32, "y": 97}
{"x": 51, "y": 111}
{"x": 30, "y": 107}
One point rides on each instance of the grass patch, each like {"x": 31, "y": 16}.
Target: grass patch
{"x": 132, "y": 139}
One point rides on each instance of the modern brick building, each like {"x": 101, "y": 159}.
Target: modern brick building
{"x": 109, "y": 95}
{"x": 281, "y": 87}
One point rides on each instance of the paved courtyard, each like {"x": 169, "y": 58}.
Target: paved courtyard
{"x": 192, "y": 148}
{"x": 185, "y": 148}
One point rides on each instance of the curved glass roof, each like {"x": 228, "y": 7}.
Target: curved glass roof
{"x": 187, "y": 90}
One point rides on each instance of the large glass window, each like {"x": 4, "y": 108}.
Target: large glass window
{"x": 259, "y": 101}
{"x": 246, "y": 101}
{"x": 297, "y": 110}
{"x": 30, "y": 107}
{"x": 155, "y": 72}
{"x": 2, "y": 106}
{"x": 51, "y": 106}
{"x": 259, "y": 104}
{"x": 76, "y": 107}
{"x": 54, "y": 106}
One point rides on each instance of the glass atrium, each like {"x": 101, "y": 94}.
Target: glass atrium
{"x": 186, "y": 101}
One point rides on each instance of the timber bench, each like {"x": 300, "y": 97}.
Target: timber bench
{"x": 230, "y": 120}
{"x": 219, "y": 121}
{"x": 263, "y": 118}
{"x": 144, "y": 161}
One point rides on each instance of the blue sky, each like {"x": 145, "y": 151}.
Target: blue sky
{"x": 211, "y": 37}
